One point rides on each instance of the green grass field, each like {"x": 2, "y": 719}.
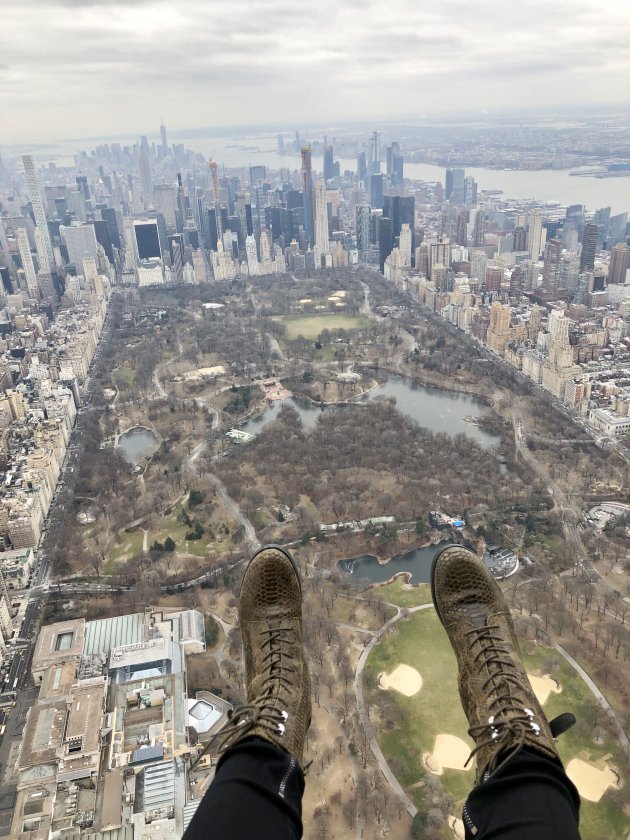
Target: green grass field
{"x": 396, "y": 593}
{"x": 422, "y": 643}
{"x": 126, "y": 374}
{"x": 310, "y": 326}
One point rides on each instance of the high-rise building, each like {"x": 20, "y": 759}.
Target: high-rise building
{"x": 519, "y": 241}
{"x": 307, "y": 194}
{"x": 321, "y": 217}
{"x": 479, "y": 228}
{"x": 47, "y": 258}
{"x": 404, "y": 244}
{"x": 146, "y": 184}
{"x": 103, "y": 238}
{"x": 147, "y": 239}
{"x": 461, "y": 229}
{"x": 375, "y": 154}
{"x": 454, "y": 185}
{"x": 257, "y": 173}
{"x": 165, "y": 202}
{"x": 80, "y": 241}
{"x": 364, "y": 226}
{"x": 26, "y": 257}
{"x": 362, "y": 170}
{"x": 589, "y": 247}
{"x": 551, "y": 266}
{"x": 385, "y": 239}
{"x": 602, "y": 220}
{"x": 617, "y": 229}
{"x": 164, "y": 140}
{"x": 440, "y": 254}
{"x": 395, "y": 164}
{"x": 619, "y": 263}
{"x": 376, "y": 191}
{"x": 251, "y": 253}
{"x": 470, "y": 190}
{"x": 534, "y": 234}
{"x": 478, "y": 264}
{"x": 329, "y": 162}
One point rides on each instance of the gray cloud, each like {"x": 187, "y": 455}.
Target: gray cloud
{"x": 90, "y": 66}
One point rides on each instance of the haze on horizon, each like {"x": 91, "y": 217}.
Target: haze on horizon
{"x": 86, "y": 68}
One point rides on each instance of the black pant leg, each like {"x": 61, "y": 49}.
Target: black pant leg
{"x": 531, "y": 798}
{"x": 256, "y": 794}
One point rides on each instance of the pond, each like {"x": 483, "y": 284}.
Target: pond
{"x": 308, "y": 415}
{"x": 136, "y": 443}
{"x": 417, "y": 562}
{"x": 439, "y": 411}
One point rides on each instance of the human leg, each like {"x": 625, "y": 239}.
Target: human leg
{"x": 256, "y": 784}
{"x": 259, "y": 781}
{"x": 521, "y": 786}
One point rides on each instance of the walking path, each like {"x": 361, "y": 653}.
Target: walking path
{"x": 364, "y": 717}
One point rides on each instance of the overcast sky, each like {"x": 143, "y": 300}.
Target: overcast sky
{"x": 71, "y": 68}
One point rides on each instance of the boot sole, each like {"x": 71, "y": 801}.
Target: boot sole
{"x": 433, "y": 570}
{"x": 286, "y": 553}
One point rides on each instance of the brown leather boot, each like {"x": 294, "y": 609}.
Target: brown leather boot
{"x": 276, "y": 673}
{"x": 497, "y": 697}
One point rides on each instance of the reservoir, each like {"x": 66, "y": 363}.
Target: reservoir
{"x": 136, "y": 443}
{"x": 439, "y": 411}
{"x": 367, "y": 568}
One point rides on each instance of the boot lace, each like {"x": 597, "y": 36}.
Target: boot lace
{"x": 510, "y": 720}
{"x": 266, "y": 712}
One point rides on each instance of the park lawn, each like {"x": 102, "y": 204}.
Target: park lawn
{"x": 310, "y": 326}
{"x": 397, "y": 593}
{"x": 598, "y": 819}
{"x": 168, "y": 526}
{"x": 421, "y": 642}
{"x": 125, "y": 373}
{"x": 128, "y": 544}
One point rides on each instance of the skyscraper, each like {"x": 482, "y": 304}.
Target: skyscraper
{"x": 385, "y": 240}
{"x": 461, "y": 234}
{"x": 329, "y": 163}
{"x": 364, "y": 226}
{"x": 589, "y": 247}
{"x": 454, "y": 185}
{"x": 551, "y": 266}
{"x": 401, "y": 210}
{"x": 619, "y": 263}
{"x": 27, "y": 261}
{"x": 47, "y": 257}
{"x": 534, "y": 234}
{"x": 80, "y": 241}
{"x": 479, "y": 228}
{"x": 146, "y": 184}
{"x": 375, "y": 153}
{"x": 321, "y": 218}
{"x": 376, "y": 191}
{"x": 307, "y": 193}
{"x": 361, "y": 166}
{"x": 395, "y": 163}
{"x": 164, "y": 140}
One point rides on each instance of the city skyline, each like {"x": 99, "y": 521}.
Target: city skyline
{"x": 384, "y": 62}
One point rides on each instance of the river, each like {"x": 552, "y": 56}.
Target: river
{"x": 260, "y": 149}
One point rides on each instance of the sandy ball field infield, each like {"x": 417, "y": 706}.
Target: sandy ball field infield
{"x": 543, "y": 687}
{"x": 591, "y": 781}
{"x": 449, "y": 753}
{"x": 404, "y": 679}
